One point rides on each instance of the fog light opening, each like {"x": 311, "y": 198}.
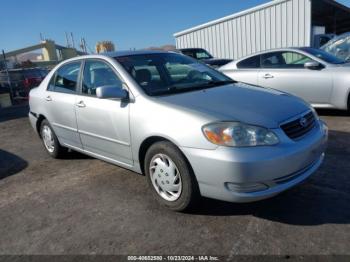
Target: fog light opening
{"x": 246, "y": 188}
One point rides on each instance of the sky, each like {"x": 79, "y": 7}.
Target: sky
{"x": 129, "y": 24}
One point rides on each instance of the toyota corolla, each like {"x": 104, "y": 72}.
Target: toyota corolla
{"x": 188, "y": 128}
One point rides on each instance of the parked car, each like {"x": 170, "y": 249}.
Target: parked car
{"x": 312, "y": 74}
{"x": 22, "y": 80}
{"x": 190, "y": 129}
{"x": 339, "y": 46}
{"x": 204, "y": 56}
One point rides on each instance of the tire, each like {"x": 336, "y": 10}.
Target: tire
{"x": 168, "y": 171}
{"x": 54, "y": 149}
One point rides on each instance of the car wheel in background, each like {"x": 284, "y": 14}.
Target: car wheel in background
{"x": 170, "y": 177}
{"x": 50, "y": 140}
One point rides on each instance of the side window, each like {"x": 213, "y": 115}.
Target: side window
{"x": 284, "y": 60}
{"x": 272, "y": 60}
{"x": 252, "y": 62}
{"x": 97, "y": 74}
{"x": 295, "y": 60}
{"x": 66, "y": 78}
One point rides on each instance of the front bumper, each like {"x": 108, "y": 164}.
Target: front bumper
{"x": 254, "y": 173}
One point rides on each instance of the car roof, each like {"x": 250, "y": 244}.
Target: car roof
{"x": 274, "y": 50}
{"x": 135, "y": 52}
{"x": 111, "y": 55}
{"x": 191, "y": 49}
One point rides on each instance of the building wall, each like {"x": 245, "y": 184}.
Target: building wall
{"x": 280, "y": 23}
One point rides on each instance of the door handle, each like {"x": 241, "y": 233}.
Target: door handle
{"x": 48, "y": 98}
{"x": 81, "y": 104}
{"x": 267, "y": 76}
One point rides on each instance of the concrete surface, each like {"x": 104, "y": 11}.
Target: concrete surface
{"x": 81, "y": 205}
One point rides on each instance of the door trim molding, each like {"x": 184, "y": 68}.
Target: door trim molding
{"x": 65, "y": 127}
{"x": 101, "y": 157}
{"x": 104, "y": 138}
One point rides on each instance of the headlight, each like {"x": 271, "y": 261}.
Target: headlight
{"x": 239, "y": 135}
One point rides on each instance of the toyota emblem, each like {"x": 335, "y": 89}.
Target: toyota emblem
{"x": 303, "y": 122}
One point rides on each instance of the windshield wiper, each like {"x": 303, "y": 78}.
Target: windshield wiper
{"x": 219, "y": 83}
{"x": 179, "y": 89}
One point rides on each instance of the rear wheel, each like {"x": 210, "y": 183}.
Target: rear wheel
{"x": 50, "y": 140}
{"x": 170, "y": 177}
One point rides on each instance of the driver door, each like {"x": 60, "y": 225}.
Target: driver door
{"x": 285, "y": 71}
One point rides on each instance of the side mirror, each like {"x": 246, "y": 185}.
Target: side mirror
{"x": 112, "y": 92}
{"x": 313, "y": 65}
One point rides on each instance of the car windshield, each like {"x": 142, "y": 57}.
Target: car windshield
{"x": 169, "y": 73}
{"x": 339, "y": 46}
{"x": 323, "y": 55}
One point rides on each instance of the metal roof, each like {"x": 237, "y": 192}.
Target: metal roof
{"x": 229, "y": 17}
{"x": 252, "y": 10}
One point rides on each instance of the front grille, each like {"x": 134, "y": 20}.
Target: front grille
{"x": 299, "y": 127}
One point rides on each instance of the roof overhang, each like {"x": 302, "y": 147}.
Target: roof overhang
{"x": 331, "y": 14}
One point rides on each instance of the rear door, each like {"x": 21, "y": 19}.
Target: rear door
{"x": 103, "y": 123}
{"x": 285, "y": 71}
{"x": 60, "y": 101}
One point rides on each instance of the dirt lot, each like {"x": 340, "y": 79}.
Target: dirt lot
{"x": 81, "y": 205}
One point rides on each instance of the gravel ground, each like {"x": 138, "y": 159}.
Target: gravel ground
{"x": 81, "y": 205}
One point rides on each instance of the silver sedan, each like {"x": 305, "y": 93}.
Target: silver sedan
{"x": 188, "y": 128}
{"x": 312, "y": 74}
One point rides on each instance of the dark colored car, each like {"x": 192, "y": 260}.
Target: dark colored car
{"x": 204, "y": 56}
{"x": 21, "y": 80}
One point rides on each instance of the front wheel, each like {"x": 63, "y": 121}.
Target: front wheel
{"x": 170, "y": 177}
{"x": 50, "y": 140}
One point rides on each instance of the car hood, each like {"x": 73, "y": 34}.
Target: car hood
{"x": 240, "y": 102}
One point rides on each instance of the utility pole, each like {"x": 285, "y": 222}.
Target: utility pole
{"x": 8, "y": 76}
